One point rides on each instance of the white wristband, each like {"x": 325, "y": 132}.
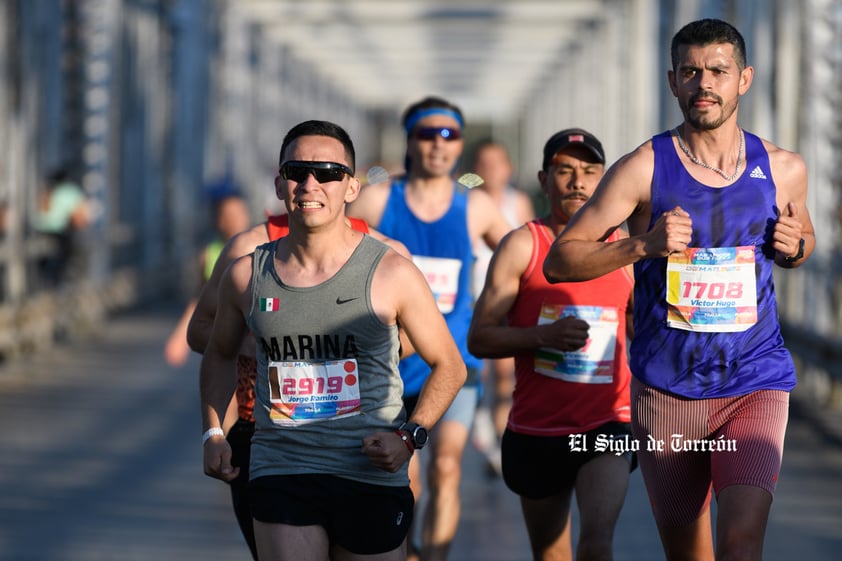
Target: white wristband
{"x": 215, "y": 431}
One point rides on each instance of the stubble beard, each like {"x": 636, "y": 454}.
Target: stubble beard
{"x": 706, "y": 122}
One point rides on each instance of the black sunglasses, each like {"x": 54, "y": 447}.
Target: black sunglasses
{"x": 324, "y": 172}
{"x": 429, "y": 133}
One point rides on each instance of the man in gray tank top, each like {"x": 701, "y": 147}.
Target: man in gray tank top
{"x": 332, "y": 441}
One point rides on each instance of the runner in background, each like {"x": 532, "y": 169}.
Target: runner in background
{"x": 230, "y": 215}
{"x": 491, "y": 161}
{"x": 440, "y": 221}
{"x": 572, "y": 376}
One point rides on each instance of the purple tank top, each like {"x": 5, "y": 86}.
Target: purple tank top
{"x": 700, "y": 364}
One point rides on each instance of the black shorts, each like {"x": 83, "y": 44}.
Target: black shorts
{"x": 239, "y": 437}
{"x": 363, "y": 518}
{"x": 537, "y": 467}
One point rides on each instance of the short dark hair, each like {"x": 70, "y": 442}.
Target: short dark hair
{"x": 708, "y": 32}
{"x": 58, "y": 174}
{"x": 218, "y": 201}
{"x": 320, "y": 128}
{"x": 431, "y": 102}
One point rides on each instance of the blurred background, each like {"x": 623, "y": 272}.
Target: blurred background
{"x": 123, "y": 121}
{"x": 151, "y": 108}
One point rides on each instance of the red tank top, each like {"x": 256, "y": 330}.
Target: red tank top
{"x": 277, "y": 226}
{"x": 547, "y": 406}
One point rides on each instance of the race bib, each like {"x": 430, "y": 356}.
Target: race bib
{"x": 442, "y": 275}
{"x": 593, "y": 363}
{"x": 712, "y": 289}
{"x": 307, "y": 392}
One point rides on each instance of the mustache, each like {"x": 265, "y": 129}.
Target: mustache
{"x": 576, "y": 196}
{"x": 707, "y": 96}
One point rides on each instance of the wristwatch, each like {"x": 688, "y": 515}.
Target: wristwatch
{"x": 800, "y": 253}
{"x": 417, "y": 434}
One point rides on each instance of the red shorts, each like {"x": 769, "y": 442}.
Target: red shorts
{"x": 688, "y": 446}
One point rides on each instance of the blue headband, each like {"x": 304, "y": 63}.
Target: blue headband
{"x": 413, "y": 119}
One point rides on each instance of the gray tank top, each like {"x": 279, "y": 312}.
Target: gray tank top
{"x": 327, "y": 371}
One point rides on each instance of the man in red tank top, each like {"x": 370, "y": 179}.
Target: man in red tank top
{"x": 568, "y": 428}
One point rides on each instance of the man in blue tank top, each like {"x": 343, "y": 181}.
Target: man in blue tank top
{"x": 332, "y": 442}
{"x": 439, "y": 221}
{"x": 711, "y": 209}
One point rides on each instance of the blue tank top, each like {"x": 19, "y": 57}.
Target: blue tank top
{"x": 447, "y": 237}
{"x": 705, "y": 365}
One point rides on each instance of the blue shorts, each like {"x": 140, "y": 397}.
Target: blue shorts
{"x": 461, "y": 410}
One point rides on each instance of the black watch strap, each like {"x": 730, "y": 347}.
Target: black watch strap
{"x": 417, "y": 434}
{"x": 799, "y": 254}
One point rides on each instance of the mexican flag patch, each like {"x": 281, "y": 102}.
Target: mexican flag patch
{"x": 269, "y": 304}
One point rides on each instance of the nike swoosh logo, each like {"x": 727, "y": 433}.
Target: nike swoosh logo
{"x": 341, "y": 301}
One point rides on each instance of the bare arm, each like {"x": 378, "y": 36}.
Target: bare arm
{"x": 370, "y": 203}
{"x": 407, "y": 293}
{"x": 201, "y": 322}
{"x": 490, "y": 336}
{"x": 794, "y": 223}
{"x": 401, "y": 295}
{"x": 622, "y": 196}
{"x": 400, "y": 248}
{"x": 218, "y": 371}
{"x": 391, "y": 242}
{"x": 176, "y": 349}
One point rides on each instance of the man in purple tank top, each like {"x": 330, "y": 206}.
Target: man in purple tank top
{"x": 711, "y": 209}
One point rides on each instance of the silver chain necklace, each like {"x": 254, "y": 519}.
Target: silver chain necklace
{"x": 704, "y": 165}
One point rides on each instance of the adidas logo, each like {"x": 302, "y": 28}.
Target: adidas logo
{"x": 757, "y": 173}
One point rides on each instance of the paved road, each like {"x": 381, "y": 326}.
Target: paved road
{"x": 101, "y": 461}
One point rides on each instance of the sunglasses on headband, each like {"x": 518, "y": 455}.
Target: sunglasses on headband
{"x": 324, "y": 172}
{"x": 430, "y": 133}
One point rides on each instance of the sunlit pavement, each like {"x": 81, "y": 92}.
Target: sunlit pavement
{"x": 101, "y": 461}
